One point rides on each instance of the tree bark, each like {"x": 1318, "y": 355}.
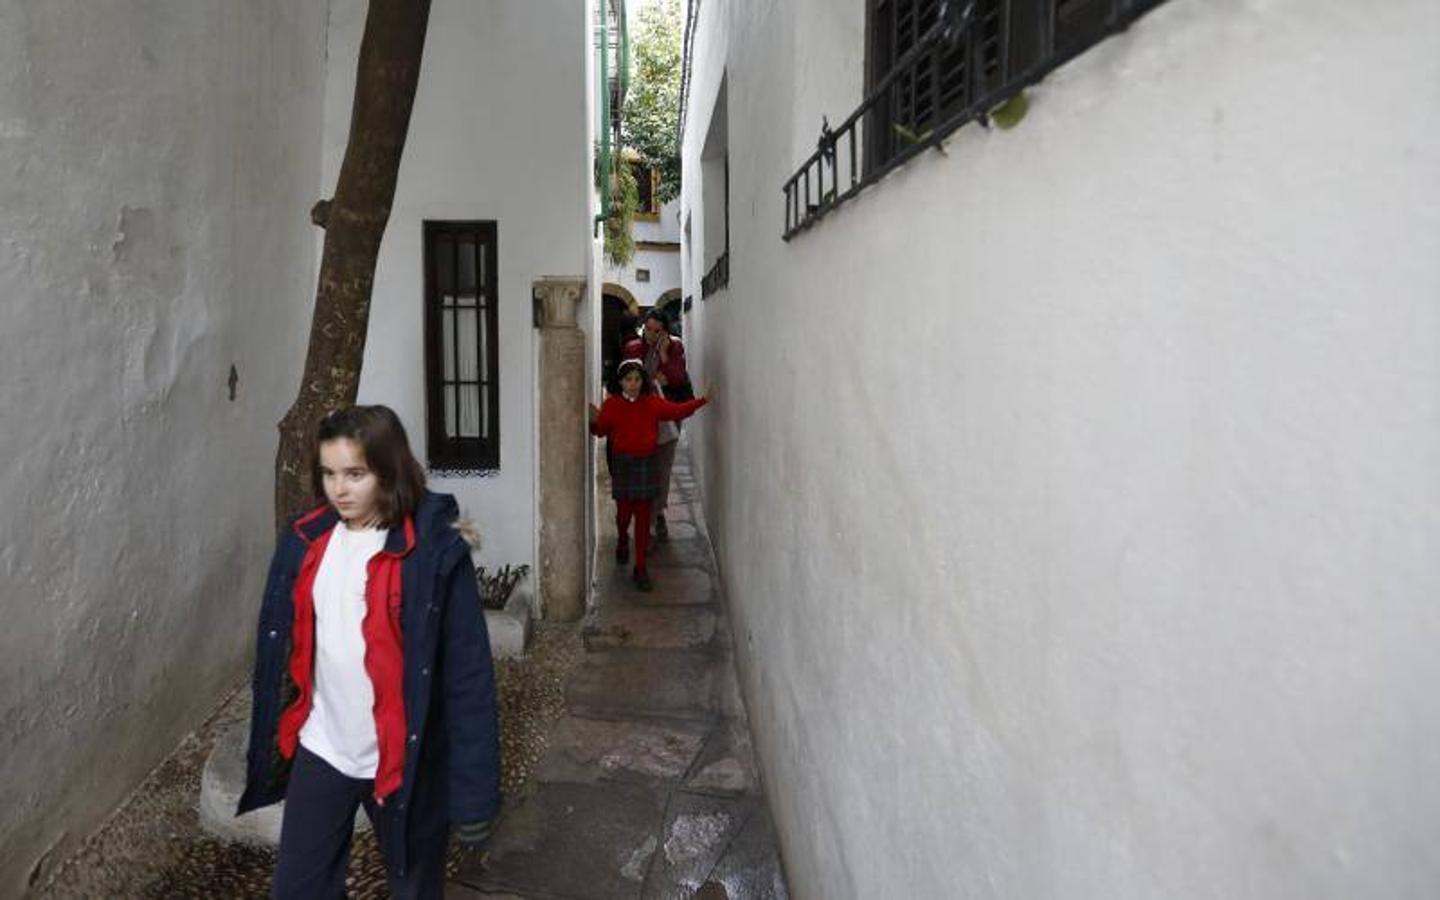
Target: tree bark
{"x": 385, "y": 82}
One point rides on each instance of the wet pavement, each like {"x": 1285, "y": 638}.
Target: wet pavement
{"x": 648, "y": 787}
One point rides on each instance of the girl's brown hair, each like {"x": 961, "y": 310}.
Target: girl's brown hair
{"x": 387, "y": 453}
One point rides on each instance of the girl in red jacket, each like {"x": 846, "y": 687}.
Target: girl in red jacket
{"x": 631, "y": 419}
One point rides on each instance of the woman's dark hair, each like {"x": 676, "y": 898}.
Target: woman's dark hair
{"x": 660, "y": 317}
{"x": 629, "y": 327}
{"x": 387, "y": 453}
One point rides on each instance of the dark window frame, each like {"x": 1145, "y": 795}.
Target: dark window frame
{"x": 924, "y": 79}
{"x": 447, "y": 453}
{"x": 647, "y": 184}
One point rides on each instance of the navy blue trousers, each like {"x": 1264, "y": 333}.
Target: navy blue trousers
{"x": 315, "y": 835}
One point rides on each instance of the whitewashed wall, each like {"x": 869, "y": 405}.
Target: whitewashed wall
{"x": 500, "y": 131}
{"x": 158, "y": 161}
{"x": 663, "y": 265}
{"x": 1078, "y": 492}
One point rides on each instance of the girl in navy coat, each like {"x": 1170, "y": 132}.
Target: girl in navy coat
{"x": 373, "y": 682}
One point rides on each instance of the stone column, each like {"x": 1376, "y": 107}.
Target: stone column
{"x": 563, "y": 441}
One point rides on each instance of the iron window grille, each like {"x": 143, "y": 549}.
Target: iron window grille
{"x": 933, "y": 66}
{"x": 718, "y": 276}
{"x": 462, "y": 371}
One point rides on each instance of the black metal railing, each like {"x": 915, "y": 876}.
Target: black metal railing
{"x": 718, "y": 276}
{"x": 972, "y": 57}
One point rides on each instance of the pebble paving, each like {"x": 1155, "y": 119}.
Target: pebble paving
{"x": 153, "y": 846}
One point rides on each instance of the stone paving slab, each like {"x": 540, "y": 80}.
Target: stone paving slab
{"x": 461, "y": 892}
{"x": 683, "y": 530}
{"x": 698, "y": 830}
{"x": 683, "y": 684}
{"x": 656, "y": 628}
{"x": 750, "y": 868}
{"x": 574, "y": 841}
{"x": 680, "y": 510}
{"x": 637, "y": 750}
{"x": 680, "y": 553}
{"x": 726, "y": 764}
{"x": 673, "y": 587}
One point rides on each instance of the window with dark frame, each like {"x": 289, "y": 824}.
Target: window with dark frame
{"x": 462, "y": 372}
{"x": 931, "y": 67}
{"x": 647, "y": 183}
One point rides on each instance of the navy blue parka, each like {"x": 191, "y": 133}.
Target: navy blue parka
{"x": 452, "y": 754}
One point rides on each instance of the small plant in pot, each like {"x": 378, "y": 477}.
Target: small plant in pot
{"x": 497, "y": 586}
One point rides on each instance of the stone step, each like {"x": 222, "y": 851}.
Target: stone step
{"x": 726, "y": 764}
{"x": 572, "y": 840}
{"x": 750, "y": 867}
{"x": 678, "y": 586}
{"x": 698, "y": 830}
{"x": 656, "y": 628}
{"x": 681, "y": 684}
{"x": 635, "y": 750}
{"x": 223, "y": 781}
{"x": 681, "y": 553}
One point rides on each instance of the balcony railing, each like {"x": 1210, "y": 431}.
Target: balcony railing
{"x": 970, "y": 60}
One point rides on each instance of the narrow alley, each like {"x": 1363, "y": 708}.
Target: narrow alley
{"x": 1056, "y": 507}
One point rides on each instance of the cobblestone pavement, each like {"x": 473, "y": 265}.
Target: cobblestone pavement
{"x": 648, "y": 788}
{"x": 153, "y": 846}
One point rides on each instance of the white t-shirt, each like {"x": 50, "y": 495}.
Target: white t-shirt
{"x": 341, "y": 726}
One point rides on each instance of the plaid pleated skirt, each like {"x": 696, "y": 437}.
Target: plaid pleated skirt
{"x": 633, "y": 477}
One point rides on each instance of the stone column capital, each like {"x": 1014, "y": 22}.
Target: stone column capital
{"x": 557, "y": 298}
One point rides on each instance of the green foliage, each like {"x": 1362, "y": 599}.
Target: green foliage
{"x": 653, "y": 100}
{"x": 625, "y": 199}
{"x": 1011, "y": 112}
{"x": 496, "y": 587}
{"x": 909, "y": 136}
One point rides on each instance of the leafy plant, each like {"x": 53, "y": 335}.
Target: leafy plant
{"x": 496, "y": 587}
{"x": 1010, "y": 113}
{"x": 625, "y": 199}
{"x": 909, "y": 136}
{"x": 652, "y": 104}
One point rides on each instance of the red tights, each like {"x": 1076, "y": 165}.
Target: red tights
{"x": 640, "y": 510}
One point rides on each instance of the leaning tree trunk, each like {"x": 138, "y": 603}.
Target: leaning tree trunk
{"x": 354, "y": 221}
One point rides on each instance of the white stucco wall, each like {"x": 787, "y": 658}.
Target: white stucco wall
{"x": 663, "y": 265}
{"x": 159, "y": 162}
{"x": 1077, "y": 492}
{"x": 500, "y": 131}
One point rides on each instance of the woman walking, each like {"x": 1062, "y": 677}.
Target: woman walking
{"x": 373, "y": 682}
{"x": 664, "y": 357}
{"x": 631, "y": 419}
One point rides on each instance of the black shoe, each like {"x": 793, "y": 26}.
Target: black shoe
{"x": 642, "y": 580}
{"x": 662, "y": 531}
{"x": 622, "y": 553}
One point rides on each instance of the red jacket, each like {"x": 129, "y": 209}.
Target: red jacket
{"x": 384, "y": 655}
{"x": 674, "y": 367}
{"x": 634, "y": 425}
